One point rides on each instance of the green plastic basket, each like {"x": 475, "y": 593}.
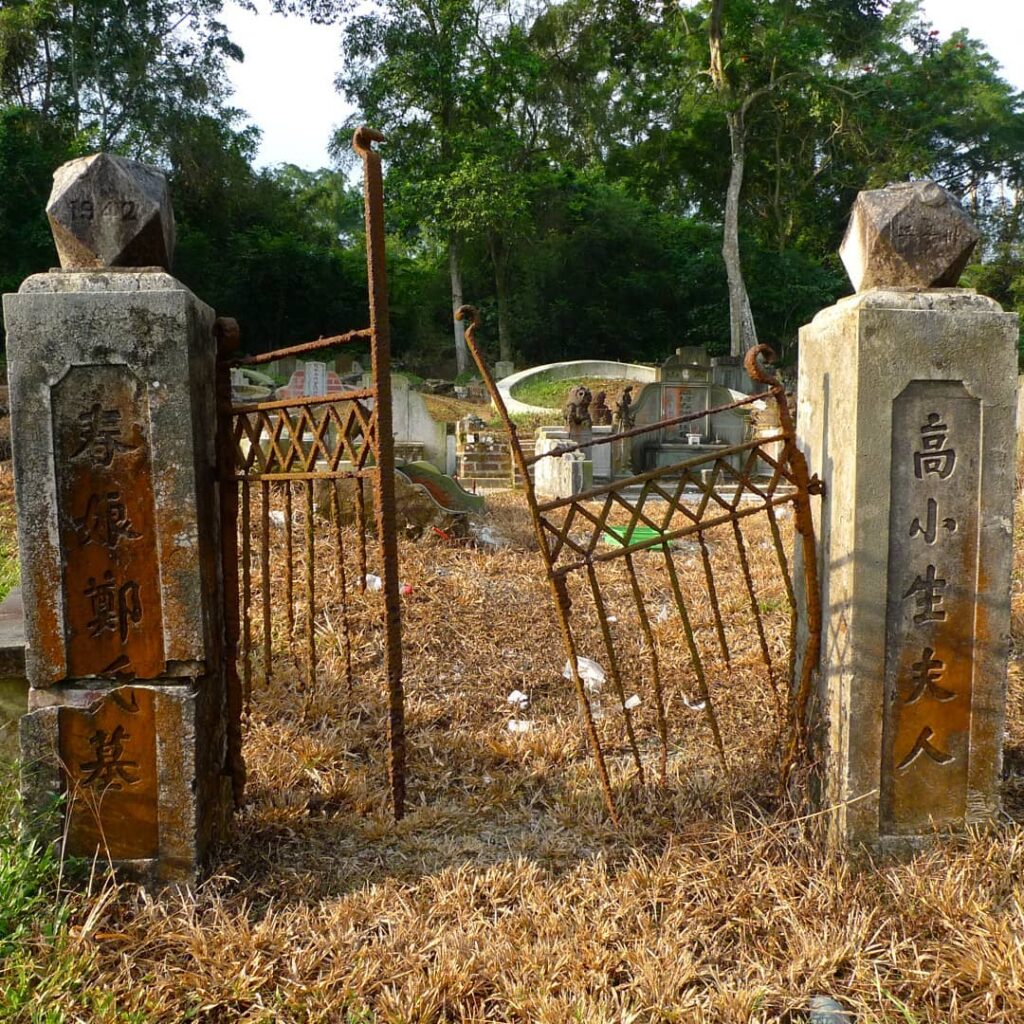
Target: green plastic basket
{"x": 624, "y": 537}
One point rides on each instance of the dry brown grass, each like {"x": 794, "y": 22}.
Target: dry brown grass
{"x": 505, "y": 895}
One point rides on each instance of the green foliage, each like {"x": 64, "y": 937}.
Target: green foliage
{"x": 30, "y": 148}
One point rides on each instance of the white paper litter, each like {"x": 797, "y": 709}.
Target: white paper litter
{"x": 590, "y": 672}
{"x": 694, "y": 705}
{"x": 519, "y": 699}
{"x": 373, "y": 582}
{"x": 633, "y": 702}
{"x": 277, "y": 517}
{"x": 519, "y": 725}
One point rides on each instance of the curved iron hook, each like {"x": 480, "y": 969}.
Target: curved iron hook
{"x": 474, "y": 315}
{"x": 363, "y": 138}
{"x": 755, "y": 370}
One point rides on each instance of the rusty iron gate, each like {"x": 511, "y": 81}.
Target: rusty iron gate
{"x": 673, "y": 502}
{"x": 294, "y": 452}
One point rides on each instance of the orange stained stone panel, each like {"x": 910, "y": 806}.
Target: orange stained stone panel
{"x": 112, "y": 601}
{"x": 931, "y": 616}
{"x": 109, "y": 758}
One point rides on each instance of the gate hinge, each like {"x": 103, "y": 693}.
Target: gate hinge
{"x": 816, "y": 486}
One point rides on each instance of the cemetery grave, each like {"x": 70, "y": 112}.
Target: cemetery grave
{"x": 536, "y": 775}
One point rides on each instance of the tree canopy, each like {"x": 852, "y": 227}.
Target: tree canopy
{"x": 602, "y": 177}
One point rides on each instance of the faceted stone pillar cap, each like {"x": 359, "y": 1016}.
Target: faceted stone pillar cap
{"x": 909, "y": 235}
{"x": 106, "y": 211}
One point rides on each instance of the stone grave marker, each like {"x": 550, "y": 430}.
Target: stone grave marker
{"x": 315, "y": 381}
{"x": 113, "y": 421}
{"x": 106, "y": 211}
{"x": 911, "y": 235}
{"x": 906, "y": 403}
{"x": 323, "y": 381}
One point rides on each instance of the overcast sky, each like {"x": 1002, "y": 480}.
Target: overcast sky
{"x": 286, "y": 84}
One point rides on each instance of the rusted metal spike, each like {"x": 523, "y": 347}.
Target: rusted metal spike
{"x": 613, "y": 667}
{"x": 310, "y": 594}
{"x": 695, "y": 661}
{"x": 755, "y": 607}
{"x": 227, "y": 335}
{"x": 716, "y": 611}
{"x": 246, "y": 602}
{"x": 289, "y": 557}
{"x": 265, "y": 579}
{"x": 339, "y": 546}
{"x": 652, "y": 654}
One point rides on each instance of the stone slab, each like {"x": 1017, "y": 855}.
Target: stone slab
{"x": 139, "y": 769}
{"x": 906, "y": 235}
{"x": 12, "y": 636}
{"x": 107, "y": 211}
{"x": 880, "y": 373}
{"x": 114, "y": 371}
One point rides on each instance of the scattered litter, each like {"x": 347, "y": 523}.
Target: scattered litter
{"x": 406, "y": 589}
{"x": 519, "y": 725}
{"x": 825, "y": 1010}
{"x": 694, "y": 705}
{"x": 488, "y": 537}
{"x": 590, "y": 672}
{"x": 612, "y": 619}
{"x": 487, "y": 780}
{"x": 633, "y": 702}
{"x": 373, "y": 582}
{"x": 688, "y": 546}
{"x": 520, "y": 699}
{"x": 277, "y": 517}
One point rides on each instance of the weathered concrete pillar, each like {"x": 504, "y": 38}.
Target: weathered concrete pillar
{"x": 113, "y": 418}
{"x": 907, "y": 397}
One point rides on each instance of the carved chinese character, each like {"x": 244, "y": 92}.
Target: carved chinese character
{"x": 924, "y": 746}
{"x": 107, "y": 770}
{"x": 105, "y": 521}
{"x": 930, "y": 530}
{"x": 932, "y": 458}
{"x": 113, "y": 608}
{"x": 927, "y": 673}
{"x": 929, "y": 591}
{"x": 100, "y": 434}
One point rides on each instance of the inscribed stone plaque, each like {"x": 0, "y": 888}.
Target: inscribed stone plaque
{"x": 316, "y": 380}
{"x": 930, "y": 621}
{"x": 106, "y": 211}
{"x": 106, "y": 514}
{"x": 682, "y": 400}
{"x": 109, "y": 758}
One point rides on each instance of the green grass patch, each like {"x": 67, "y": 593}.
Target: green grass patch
{"x": 549, "y": 392}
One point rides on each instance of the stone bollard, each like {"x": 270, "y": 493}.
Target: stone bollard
{"x": 113, "y": 420}
{"x": 907, "y": 396}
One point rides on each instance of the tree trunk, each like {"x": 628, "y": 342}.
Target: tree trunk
{"x": 742, "y": 333}
{"x": 499, "y": 260}
{"x": 461, "y": 352}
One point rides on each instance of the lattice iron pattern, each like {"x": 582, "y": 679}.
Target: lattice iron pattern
{"x": 763, "y": 482}
{"x": 331, "y": 436}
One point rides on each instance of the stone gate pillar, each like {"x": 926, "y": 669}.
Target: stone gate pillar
{"x": 111, "y": 365}
{"x": 906, "y": 402}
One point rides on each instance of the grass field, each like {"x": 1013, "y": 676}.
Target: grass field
{"x": 505, "y": 894}
{"x": 550, "y": 394}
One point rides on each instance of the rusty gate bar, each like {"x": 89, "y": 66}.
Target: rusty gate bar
{"x": 384, "y": 450}
{"x": 262, "y": 450}
{"x": 769, "y": 482}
